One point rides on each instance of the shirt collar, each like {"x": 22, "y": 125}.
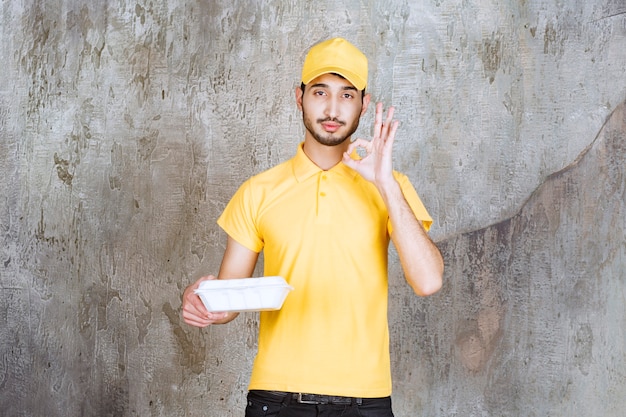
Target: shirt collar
{"x": 304, "y": 168}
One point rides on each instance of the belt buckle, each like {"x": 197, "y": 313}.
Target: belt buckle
{"x": 301, "y": 401}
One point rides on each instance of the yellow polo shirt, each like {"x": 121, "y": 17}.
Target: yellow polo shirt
{"x": 327, "y": 233}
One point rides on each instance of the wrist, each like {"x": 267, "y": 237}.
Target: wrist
{"x": 388, "y": 187}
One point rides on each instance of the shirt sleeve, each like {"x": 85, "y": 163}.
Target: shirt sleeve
{"x": 238, "y": 219}
{"x": 414, "y": 201}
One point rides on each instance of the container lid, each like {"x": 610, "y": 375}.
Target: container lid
{"x": 241, "y": 283}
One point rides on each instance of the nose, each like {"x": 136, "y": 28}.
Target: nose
{"x": 332, "y": 108}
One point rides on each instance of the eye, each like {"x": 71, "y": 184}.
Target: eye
{"x": 348, "y": 95}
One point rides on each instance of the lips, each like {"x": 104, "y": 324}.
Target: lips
{"x": 330, "y": 126}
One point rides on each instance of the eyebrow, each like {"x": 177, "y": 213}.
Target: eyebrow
{"x": 322, "y": 85}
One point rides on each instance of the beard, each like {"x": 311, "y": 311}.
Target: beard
{"x": 328, "y": 138}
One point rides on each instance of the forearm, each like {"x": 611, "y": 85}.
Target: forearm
{"x": 238, "y": 262}
{"x": 421, "y": 260}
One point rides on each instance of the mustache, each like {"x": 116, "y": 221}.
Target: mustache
{"x": 332, "y": 119}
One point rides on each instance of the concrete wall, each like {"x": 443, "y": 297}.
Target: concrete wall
{"x": 125, "y": 127}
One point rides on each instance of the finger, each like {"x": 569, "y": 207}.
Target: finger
{"x": 196, "y": 320}
{"x": 203, "y": 320}
{"x": 389, "y": 120}
{"x": 378, "y": 121}
{"x": 392, "y": 133}
{"x": 387, "y": 124}
{"x": 194, "y": 312}
{"x": 196, "y": 306}
{"x": 390, "y": 113}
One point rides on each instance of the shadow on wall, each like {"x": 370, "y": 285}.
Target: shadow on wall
{"x": 537, "y": 326}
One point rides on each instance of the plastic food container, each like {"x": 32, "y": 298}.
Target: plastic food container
{"x": 244, "y": 294}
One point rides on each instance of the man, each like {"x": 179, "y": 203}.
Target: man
{"x": 324, "y": 220}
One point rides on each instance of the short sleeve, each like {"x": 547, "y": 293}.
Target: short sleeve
{"x": 414, "y": 201}
{"x": 238, "y": 219}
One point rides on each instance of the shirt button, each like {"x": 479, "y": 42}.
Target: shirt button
{"x": 323, "y": 194}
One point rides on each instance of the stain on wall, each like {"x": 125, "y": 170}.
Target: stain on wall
{"x": 125, "y": 127}
{"x": 535, "y": 309}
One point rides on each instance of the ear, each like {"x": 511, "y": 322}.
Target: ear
{"x": 299, "y": 94}
{"x": 366, "y": 102}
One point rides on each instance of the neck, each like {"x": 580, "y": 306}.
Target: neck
{"x": 324, "y": 156}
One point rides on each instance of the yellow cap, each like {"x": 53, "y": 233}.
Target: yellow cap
{"x": 337, "y": 56}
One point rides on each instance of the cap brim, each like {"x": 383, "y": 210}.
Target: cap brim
{"x": 354, "y": 79}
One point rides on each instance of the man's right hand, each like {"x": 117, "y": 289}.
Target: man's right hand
{"x": 194, "y": 312}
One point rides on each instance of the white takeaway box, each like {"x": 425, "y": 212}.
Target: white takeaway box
{"x": 244, "y": 294}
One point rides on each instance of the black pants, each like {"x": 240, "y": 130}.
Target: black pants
{"x": 261, "y": 404}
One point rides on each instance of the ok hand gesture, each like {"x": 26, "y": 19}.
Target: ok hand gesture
{"x": 376, "y": 166}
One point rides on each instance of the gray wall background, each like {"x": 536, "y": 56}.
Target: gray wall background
{"x": 125, "y": 127}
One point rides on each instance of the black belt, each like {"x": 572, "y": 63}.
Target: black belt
{"x": 315, "y": 399}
